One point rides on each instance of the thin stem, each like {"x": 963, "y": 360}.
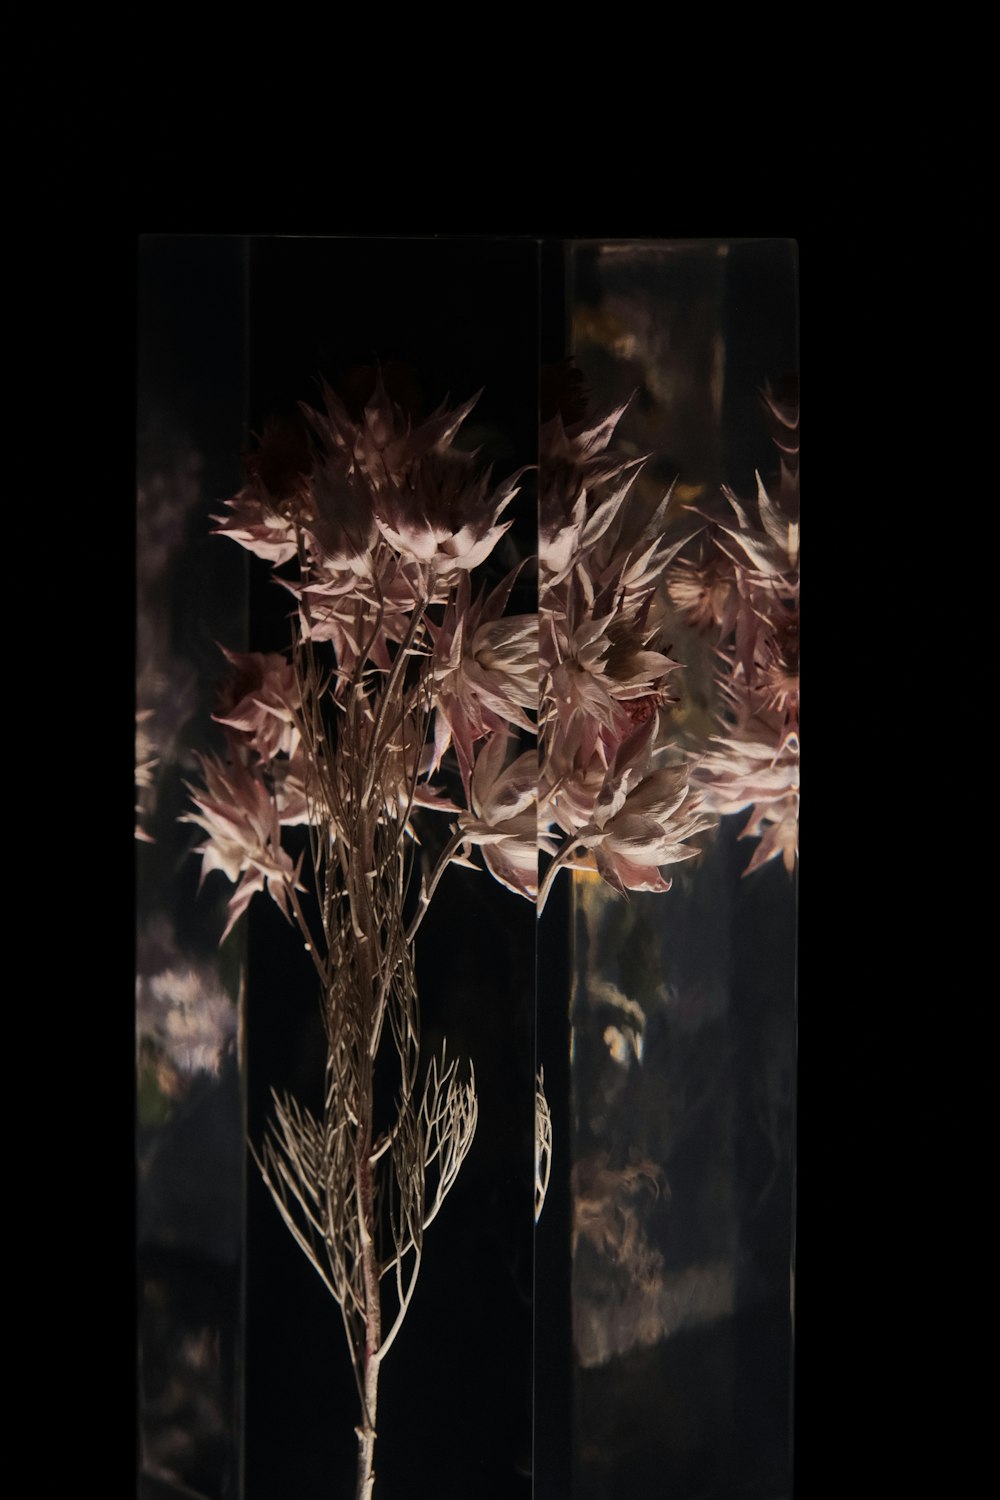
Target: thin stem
{"x": 398, "y": 667}
{"x": 450, "y": 849}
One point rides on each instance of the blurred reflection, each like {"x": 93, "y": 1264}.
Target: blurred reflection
{"x": 682, "y": 1037}
{"x": 188, "y": 1046}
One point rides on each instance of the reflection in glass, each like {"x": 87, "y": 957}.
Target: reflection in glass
{"x": 682, "y": 1036}
{"x": 189, "y": 1056}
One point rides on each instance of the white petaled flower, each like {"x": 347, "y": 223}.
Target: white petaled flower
{"x": 772, "y": 548}
{"x": 573, "y": 461}
{"x": 503, "y": 820}
{"x": 755, "y": 764}
{"x": 442, "y": 516}
{"x": 633, "y": 834}
{"x": 484, "y": 671}
{"x": 241, "y": 819}
{"x": 256, "y": 528}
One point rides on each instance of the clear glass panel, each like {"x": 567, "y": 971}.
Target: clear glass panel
{"x": 442, "y": 320}
{"x": 657, "y": 1284}
{"x": 189, "y": 1031}
{"x": 682, "y": 1003}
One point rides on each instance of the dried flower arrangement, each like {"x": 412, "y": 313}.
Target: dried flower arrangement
{"x": 620, "y": 791}
{"x": 392, "y": 662}
{"x": 602, "y": 556}
{"x": 405, "y": 690}
{"x": 743, "y": 592}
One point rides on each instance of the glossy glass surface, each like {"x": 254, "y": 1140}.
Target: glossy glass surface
{"x": 682, "y": 1038}
{"x": 189, "y": 1019}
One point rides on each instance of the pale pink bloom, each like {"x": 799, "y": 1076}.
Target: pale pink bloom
{"x": 586, "y": 758}
{"x": 570, "y": 532}
{"x": 423, "y": 496}
{"x": 754, "y": 757}
{"x": 619, "y": 537}
{"x": 630, "y": 554}
{"x": 752, "y": 594}
{"x": 777, "y": 826}
{"x": 569, "y": 785}
{"x": 603, "y": 556}
{"x": 503, "y": 820}
{"x": 739, "y": 772}
{"x": 244, "y": 835}
{"x": 755, "y": 764}
{"x": 574, "y": 646}
{"x": 634, "y": 834}
{"x": 361, "y": 614}
{"x": 259, "y": 701}
{"x": 300, "y": 498}
{"x": 573, "y": 461}
{"x": 599, "y": 676}
{"x": 484, "y": 671}
{"x": 442, "y": 516}
{"x": 776, "y": 665}
{"x": 256, "y": 527}
{"x": 771, "y": 548}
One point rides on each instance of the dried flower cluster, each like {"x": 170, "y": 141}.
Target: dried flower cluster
{"x": 604, "y": 798}
{"x": 742, "y": 590}
{"x": 405, "y": 689}
{"x": 409, "y": 691}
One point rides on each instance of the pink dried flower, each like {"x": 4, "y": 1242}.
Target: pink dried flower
{"x": 632, "y": 835}
{"x": 484, "y": 671}
{"x": 408, "y": 482}
{"x": 772, "y": 548}
{"x": 755, "y": 764}
{"x": 777, "y": 826}
{"x": 439, "y": 514}
{"x": 260, "y": 702}
{"x": 244, "y": 835}
{"x": 338, "y": 518}
{"x": 503, "y": 820}
{"x": 595, "y": 664}
{"x": 257, "y": 528}
{"x": 573, "y": 461}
